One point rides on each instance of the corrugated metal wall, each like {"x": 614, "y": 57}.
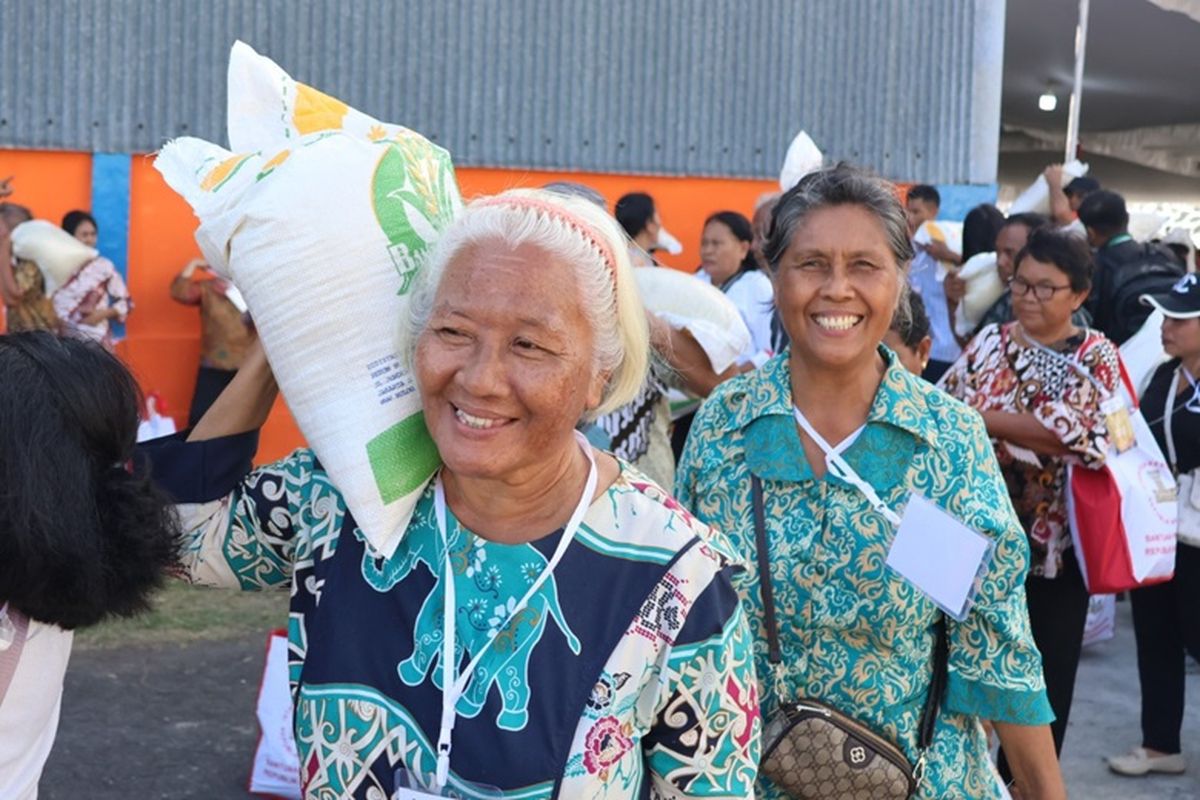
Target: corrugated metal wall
{"x": 698, "y": 87}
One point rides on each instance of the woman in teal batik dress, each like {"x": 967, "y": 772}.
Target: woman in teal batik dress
{"x": 853, "y": 633}
{"x": 614, "y": 660}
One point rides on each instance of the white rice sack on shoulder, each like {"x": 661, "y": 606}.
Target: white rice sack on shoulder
{"x": 58, "y": 254}
{"x": 322, "y": 227}
{"x": 685, "y": 303}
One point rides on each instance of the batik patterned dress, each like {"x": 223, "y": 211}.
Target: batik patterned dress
{"x": 998, "y": 373}
{"x": 853, "y": 633}
{"x": 628, "y": 675}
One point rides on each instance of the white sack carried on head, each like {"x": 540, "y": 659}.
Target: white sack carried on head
{"x": 803, "y": 157}
{"x": 685, "y": 303}
{"x": 58, "y": 254}
{"x": 322, "y": 228}
{"x": 1036, "y": 198}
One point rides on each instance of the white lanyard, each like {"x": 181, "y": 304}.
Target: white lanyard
{"x": 454, "y": 686}
{"x": 838, "y": 466}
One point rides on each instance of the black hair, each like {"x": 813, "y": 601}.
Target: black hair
{"x": 73, "y": 219}
{"x": 980, "y": 227}
{"x": 1067, "y": 252}
{"x": 740, "y": 227}
{"x": 926, "y": 193}
{"x": 83, "y": 536}
{"x": 1104, "y": 212}
{"x": 913, "y": 326}
{"x": 1028, "y": 219}
{"x": 634, "y": 211}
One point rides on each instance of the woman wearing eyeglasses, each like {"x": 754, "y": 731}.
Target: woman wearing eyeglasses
{"x": 1036, "y": 381}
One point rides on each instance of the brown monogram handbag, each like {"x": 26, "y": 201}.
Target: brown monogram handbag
{"x": 813, "y": 751}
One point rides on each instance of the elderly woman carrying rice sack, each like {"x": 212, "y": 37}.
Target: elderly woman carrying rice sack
{"x": 551, "y": 624}
{"x": 830, "y": 446}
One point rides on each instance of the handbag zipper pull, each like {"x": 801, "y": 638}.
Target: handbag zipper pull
{"x": 824, "y": 712}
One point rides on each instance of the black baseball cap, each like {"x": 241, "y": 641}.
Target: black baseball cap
{"x": 1082, "y": 186}
{"x": 1182, "y": 302}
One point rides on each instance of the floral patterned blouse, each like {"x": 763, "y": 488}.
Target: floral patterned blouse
{"x": 998, "y": 373}
{"x": 628, "y": 675}
{"x": 853, "y": 633}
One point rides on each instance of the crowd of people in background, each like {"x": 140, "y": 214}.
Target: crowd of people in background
{"x": 856, "y": 391}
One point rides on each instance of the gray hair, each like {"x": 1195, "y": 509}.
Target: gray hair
{"x": 840, "y": 185}
{"x": 583, "y": 236}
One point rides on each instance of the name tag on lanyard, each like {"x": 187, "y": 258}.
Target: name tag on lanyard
{"x": 940, "y": 556}
{"x": 932, "y": 550}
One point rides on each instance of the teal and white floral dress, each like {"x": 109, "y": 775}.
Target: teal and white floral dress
{"x": 853, "y": 633}
{"x": 628, "y": 675}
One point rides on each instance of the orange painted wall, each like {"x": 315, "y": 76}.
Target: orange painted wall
{"x": 683, "y": 203}
{"x": 163, "y": 343}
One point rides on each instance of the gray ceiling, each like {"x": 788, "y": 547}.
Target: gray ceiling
{"x": 1142, "y": 70}
{"x": 1142, "y": 65}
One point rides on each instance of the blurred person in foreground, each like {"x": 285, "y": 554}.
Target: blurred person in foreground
{"x": 604, "y": 648}
{"x": 1036, "y": 382}
{"x": 853, "y": 633}
{"x": 1165, "y": 619}
{"x": 84, "y": 536}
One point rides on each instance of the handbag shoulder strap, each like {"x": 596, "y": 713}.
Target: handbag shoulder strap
{"x": 12, "y": 654}
{"x": 941, "y": 649}
{"x": 764, "y": 570}
{"x": 937, "y": 686}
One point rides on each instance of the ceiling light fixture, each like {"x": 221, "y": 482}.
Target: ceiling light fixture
{"x": 1048, "y": 100}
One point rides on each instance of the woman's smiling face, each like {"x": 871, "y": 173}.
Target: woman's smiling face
{"x": 837, "y": 286}
{"x": 505, "y": 365}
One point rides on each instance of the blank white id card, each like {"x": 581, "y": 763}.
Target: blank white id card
{"x": 940, "y": 556}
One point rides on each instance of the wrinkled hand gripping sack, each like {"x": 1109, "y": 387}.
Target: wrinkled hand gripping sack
{"x": 322, "y": 218}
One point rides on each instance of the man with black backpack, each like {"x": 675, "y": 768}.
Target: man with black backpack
{"x": 1125, "y": 269}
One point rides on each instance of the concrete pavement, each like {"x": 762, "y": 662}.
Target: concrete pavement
{"x": 178, "y": 722}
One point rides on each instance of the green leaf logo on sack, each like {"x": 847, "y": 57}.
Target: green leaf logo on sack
{"x": 411, "y": 201}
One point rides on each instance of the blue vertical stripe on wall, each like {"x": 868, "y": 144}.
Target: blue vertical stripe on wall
{"x": 958, "y": 199}
{"x": 110, "y": 207}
